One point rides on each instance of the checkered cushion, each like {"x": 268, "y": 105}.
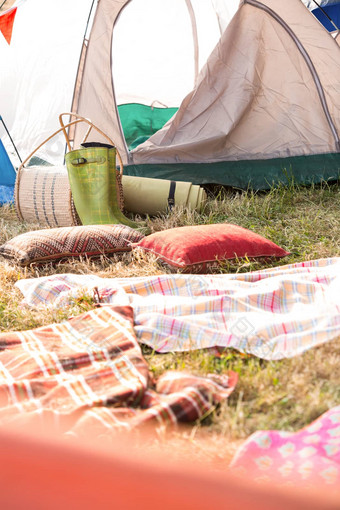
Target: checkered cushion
{"x": 59, "y": 243}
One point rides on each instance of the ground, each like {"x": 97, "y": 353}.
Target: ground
{"x": 286, "y": 394}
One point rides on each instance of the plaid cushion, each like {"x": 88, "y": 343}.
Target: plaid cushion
{"x": 58, "y": 243}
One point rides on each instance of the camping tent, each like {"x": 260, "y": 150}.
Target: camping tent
{"x": 38, "y": 70}
{"x": 248, "y": 95}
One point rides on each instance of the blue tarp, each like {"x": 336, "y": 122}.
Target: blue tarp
{"x": 7, "y": 177}
{"x": 333, "y": 11}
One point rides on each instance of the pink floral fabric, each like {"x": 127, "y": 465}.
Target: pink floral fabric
{"x": 310, "y": 457}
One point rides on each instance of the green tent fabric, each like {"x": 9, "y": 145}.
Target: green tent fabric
{"x": 254, "y": 174}
{"x": 140, "y": 121}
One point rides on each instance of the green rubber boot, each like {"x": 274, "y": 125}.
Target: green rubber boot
{"x": 92, "y": 176}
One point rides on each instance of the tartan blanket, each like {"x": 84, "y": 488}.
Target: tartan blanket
{"x": 308, "y": 458}
{"x": 88, "y": 375}
{"x": 273, "y": 314}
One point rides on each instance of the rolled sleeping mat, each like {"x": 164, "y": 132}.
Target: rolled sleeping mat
{"x": 143, "y": 195}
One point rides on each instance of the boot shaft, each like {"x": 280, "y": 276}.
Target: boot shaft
{"x": 92, "y": 176}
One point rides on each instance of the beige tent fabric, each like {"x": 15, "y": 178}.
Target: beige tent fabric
{"x": 256, "y": 97}
{"x": 96, "y": 95}
{"x": 319, "y": 45}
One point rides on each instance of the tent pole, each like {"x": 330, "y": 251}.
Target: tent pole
{"x": 81, "y": 64}
{"x": 88, "y": 19}
{"x": 195, "y": 38}
{"x": 3, "y": 3}
{"x": 325, "y": 13}
{"x": 9, "y": 136}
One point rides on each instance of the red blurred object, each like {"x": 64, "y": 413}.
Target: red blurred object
{"x": 54, "y": 473}
{"x": 6, "y": 24}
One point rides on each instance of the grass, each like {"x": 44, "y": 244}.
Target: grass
{"x": 285, "y": 394}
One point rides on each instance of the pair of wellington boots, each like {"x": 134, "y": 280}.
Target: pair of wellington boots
{"x": 95, "y": 190}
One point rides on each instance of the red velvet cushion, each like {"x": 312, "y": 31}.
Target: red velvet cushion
{"x": 198, "y": 247}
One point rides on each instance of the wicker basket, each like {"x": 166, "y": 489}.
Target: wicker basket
{"x": 43, "y": 195}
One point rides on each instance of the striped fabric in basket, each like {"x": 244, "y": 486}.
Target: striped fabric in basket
{"x": 43, "y": 196}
